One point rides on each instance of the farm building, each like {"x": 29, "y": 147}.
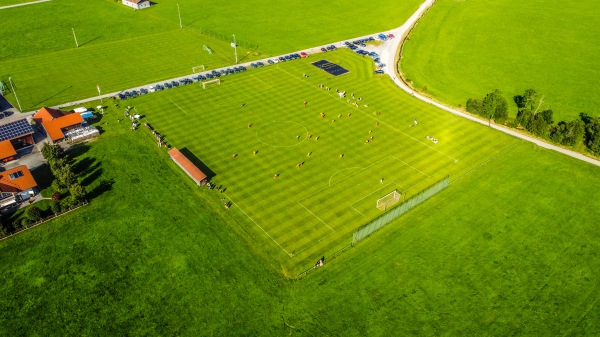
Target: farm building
{"x": 137, "y": 4}
{"x": 56, "y": 123}
{"x": 7, "y": 151}
{"x": 14, "y": 136}
{"x": 16, "y": 185}
{"x": 188, "y": 167}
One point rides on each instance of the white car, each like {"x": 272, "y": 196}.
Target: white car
{"x": 152, "y": 88}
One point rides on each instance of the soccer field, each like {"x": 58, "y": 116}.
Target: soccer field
{"x": 306, "y": 181}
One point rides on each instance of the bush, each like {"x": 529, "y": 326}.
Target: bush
{"x": 25, "y": 222}
{"x": 33, "y": 213}
{"x": 55, "y": 207}
{"x": 67, "y": 202}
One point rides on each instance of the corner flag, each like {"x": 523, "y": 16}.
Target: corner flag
{"x": 98, "y": 87}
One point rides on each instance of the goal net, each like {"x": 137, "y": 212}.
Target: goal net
{"x": 388, "y": 200}
{"x": 198, "y": 69}
{"x": 217, "y": 81}
{"x": 208, "y": 49}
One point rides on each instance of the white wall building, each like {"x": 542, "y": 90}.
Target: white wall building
{"x": 137, "y": 4}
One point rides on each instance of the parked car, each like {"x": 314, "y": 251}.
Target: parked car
{"x": 168, "y": 85}
{"x": 323, "y": 49}
{"x": 143, "y": 91}
{"x": 379, "y": 72}
{"x": 303, "y": 54}
{"x": 281, "y": 59}
{"x": 390, "y": 36}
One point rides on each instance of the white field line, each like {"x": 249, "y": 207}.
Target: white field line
{"x": 263, "y": 82}
{"x": 24, "y": 4}
{"x": 270, "y": 237}
{"x": 357, "y": 210}
{"x": 401, "y": 188}
{"x": 178, "y": 106}
{"x": 298, "y": 201}
{"x": 349, "y": 168}
{"x": 414, "y": 168}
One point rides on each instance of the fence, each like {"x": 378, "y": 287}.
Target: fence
{"x": 41, "y": 221}
{"x": 398, "y": 211}
{"x": 327, "y": 259}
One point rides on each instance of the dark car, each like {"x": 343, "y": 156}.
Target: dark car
{"x": 281, "y": 59}
{"x": 143, "y": 91}
{"x": 202, "y": 77}
{"x": 323, "y": 49}
{"x": 253, "y": 65}
{"x": 379, "y": 72}
{"x": 209, "y": 75}
{"x": 260, "y": 64}
{"x": 242, "y": 68}
{"x": 271, "y": 62}
{"x": 196, "y": 78}
{"x": 168, "y": 85}
{"x": 159, "y": 87}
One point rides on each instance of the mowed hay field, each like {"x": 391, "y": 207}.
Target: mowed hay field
{"x": 465, "y": 49}
{"x": 120, "y": 48}
{"x": 329, "y": 172}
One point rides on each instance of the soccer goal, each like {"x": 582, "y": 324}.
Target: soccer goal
{"x": 217, "y": 81}
{"x": 208, "y": 50}
{"x": 388, "y": 200}
{"x": 198, "y": 69}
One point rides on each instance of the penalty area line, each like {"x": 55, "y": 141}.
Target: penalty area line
{"x": 246, "y": 214}
{"x": 178, "y": 107}
{"x": 309, "y": 211}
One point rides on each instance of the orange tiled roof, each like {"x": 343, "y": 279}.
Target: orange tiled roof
{"x": 47, "y": 114}
{"x": 54, "y": 127}
{"x": 19, "y": 184}
{"x": 187, "y": 165}
{"x": 6, "y": 149}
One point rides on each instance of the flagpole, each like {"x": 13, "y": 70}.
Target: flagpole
{"x": 14, "y": 92}
{"x": 99, "y": 94}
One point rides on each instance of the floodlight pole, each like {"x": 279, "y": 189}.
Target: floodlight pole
{"x": 75, "y": 36}
{"x": 179, "y": 12}
{"x": 14, "y": 92}
{"x": 235, "y": 49}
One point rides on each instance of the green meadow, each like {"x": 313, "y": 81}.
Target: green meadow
{"x": 121, "y": 48}
{"x": 509, "y": 247}
{"x": 466, "y": 49}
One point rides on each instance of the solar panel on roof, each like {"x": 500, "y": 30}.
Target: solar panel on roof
{"x": 15, "y": 129}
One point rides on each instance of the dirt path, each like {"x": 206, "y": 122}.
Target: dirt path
{"x": 24, "y": 4}
{"x": 388, "y": 53}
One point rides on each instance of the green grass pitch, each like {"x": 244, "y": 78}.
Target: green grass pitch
{"x": 306, "y": 181}
{"x": 466, "y": 49}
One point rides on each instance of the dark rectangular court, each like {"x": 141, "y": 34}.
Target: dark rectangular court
{"x": 331, "y": 68}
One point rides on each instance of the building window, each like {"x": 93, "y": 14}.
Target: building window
{"x": 15, "y": 175}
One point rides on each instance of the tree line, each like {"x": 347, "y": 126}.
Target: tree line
{"x": 540, "y": 123}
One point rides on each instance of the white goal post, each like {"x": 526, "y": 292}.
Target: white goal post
{"x": 388, "y": 200}
{"x": 198, "y": 69}
{"x": 216, "y": 81}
